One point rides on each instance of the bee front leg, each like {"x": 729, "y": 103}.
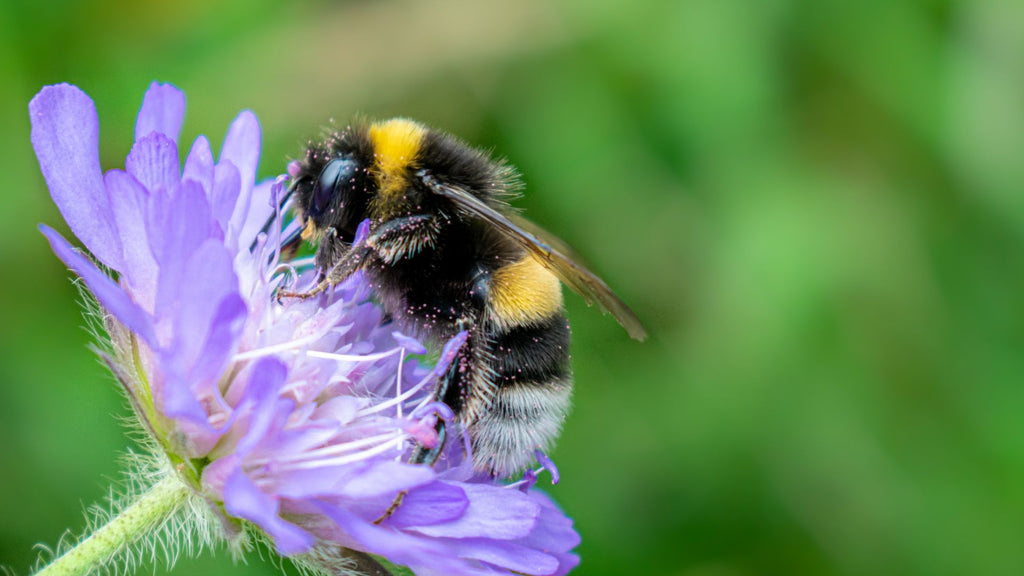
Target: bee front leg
{"x": 392, "y": 241}
{"x": 347, "y": 263}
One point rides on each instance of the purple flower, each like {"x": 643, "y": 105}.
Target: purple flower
{"x": 297, "y": 416}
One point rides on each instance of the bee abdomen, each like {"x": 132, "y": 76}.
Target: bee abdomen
{"x": 531, "y": 355}
{"x": 533, "y": 383}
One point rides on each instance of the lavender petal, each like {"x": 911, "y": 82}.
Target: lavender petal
{"x": 65, "y": 135}
{"x": 177, "y": 224}
{"x": 508, "y": 555}
{"x": 260, "y": 210}
{"x": 128, "y": 200}
{"x": 554, "y": 534}
{"x": 243, "y": 499}
{"x": 109, "y": 294}
{"x": 224, "y": 194}
{"x": 242, "y": 148}
{"x": 163, "y": 109}
{"x": 176, "y": 399}
{"x": 493, "y": 512}
{"x": 396, "y": 546}
{"x": 267, "y": 376}
{"x": 207, "y": 279}
{"x": 554, "y": 530}
{"x": 385, "y": 478}
{"x": 199, "y": 164}
{"x": 434, "y": 503}
{"x": 221, "y": 339}
{"x": 153, "y": 161}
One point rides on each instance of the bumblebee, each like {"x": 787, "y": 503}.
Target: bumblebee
{"x": 445, "y": 253}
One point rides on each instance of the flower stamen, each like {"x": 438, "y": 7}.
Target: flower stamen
{"x": 341, "y": 460}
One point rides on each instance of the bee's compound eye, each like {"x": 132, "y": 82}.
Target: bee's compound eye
{"x": 335, "y": 173}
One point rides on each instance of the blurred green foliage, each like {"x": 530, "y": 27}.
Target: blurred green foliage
{"x": 816, "y": 206}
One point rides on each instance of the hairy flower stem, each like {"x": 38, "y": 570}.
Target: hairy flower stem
{"x": 101, "y": 548}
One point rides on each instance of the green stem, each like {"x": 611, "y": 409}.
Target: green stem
{"x": 148, "y": 512}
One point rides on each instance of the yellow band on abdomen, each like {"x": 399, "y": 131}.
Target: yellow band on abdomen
{"x": 524, "y": 292}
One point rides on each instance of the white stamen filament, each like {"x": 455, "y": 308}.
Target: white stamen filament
{"x": 398, "y": 391}
{"x": 400, "y": 399}
{"x": 328, "y": 451}
{"x": 341, "y": 460}
{"x": 269, "y": 350}
{"x": 353, "y": 357}
{"x": 291, "y": 345}
{"x": 398, "y": 380}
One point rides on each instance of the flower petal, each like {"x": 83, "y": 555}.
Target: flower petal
{"x": 221, "y": 339}
{"x": 65, "y": 135}
{"x": 199, "y": 164}
{"x": 163, "y": 109}
{"x": 243, "y": 499}
{"x": 242, "y": 148}
{"x": 175, "y": 398}
{"x": 306, "y": 484}
{"x": 396, "y": 546}
{"x": 260, "y": 210}
{"x": 128, "y": 200}
{"x": 385, "y": 478}
{"x": 566, "y": 562}
{"x": 265, "y": 379}
{"x": 153, "y": 161}
{"x": 224, "y": 194}
{"x": 493, "y": 512}
{"x": 508, "y": 555}
{"x": 554, "y": 533}
{"x": 177, "y": 224}
{"x": 207, "y": 304}
{"x": 434, "y": 503}
{"x": 109, "y": 294}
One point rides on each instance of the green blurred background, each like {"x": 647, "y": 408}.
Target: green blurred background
{"x": 816, "y": 206}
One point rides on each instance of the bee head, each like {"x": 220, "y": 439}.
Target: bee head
{"x": 332, "y": 197}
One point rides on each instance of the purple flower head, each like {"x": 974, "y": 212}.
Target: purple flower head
{"x": 298, "y": 416}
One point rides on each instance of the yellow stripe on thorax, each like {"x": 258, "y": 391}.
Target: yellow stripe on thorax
{"x": 395, "y": 145}
{"x": 524, "y": 292}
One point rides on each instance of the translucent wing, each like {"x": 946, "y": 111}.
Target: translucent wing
{"x": 548, "y": 250}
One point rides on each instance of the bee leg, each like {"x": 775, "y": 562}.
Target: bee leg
{"x": 422, "y": 454}
{"x": 349, "y": 262}
{"x": 281, "y": 294}
{"x": 402, "y": 238}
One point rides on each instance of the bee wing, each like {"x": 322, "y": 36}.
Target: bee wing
{"x": 553, "y": 253}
